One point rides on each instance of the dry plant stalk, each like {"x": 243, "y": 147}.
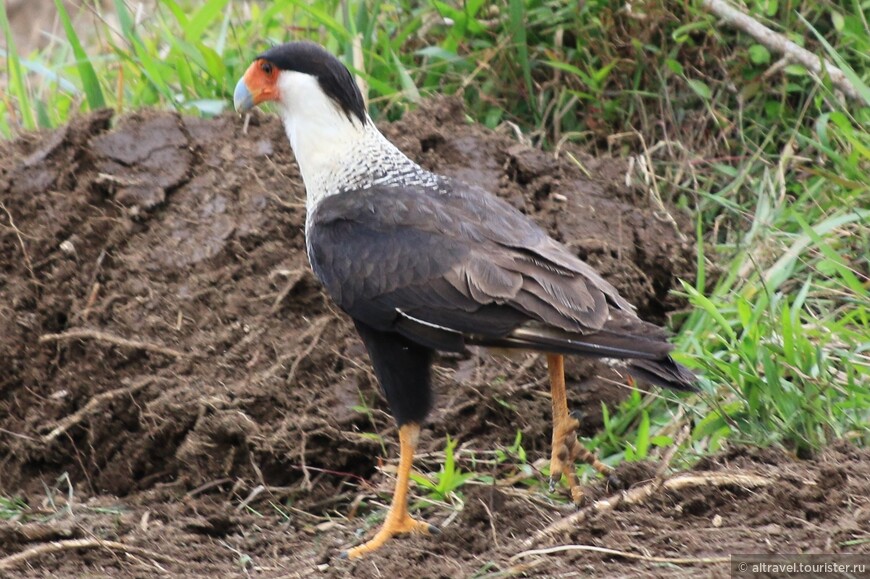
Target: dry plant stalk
{"x": 74, "y": 544}
{"x": 101, "y": 336}
{"x": 625, "y": 555}
{"x": 780, "y": 44}
{"x": 92, "y": 405}
{"x": 642, "y": 493}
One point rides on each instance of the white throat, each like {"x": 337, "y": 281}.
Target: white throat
{"x": 335, "y": 151}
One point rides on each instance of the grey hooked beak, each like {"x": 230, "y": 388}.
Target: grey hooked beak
{"x": 243, "y": 100}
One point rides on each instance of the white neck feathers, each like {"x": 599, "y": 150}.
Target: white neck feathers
{"x": 336, "y": 152}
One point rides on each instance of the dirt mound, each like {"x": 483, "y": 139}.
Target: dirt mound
{"x": 162, "y": 340}
{"x": 160, "y": 323}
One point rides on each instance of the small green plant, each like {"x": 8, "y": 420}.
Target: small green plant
{"x": 365, "y": 408}
{"x": 514, "y": 453}
{"x": 12, "y": 508}
{"x": 447, "y": 480}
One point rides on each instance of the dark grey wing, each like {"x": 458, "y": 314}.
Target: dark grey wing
{"x": 455, "y": 265}
{"x": 450, "y": 263}
{"x": 397, "y": 277}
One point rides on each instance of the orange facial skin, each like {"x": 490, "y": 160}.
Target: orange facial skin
{"x": 260, "y": 84}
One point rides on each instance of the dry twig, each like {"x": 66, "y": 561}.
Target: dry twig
{"x": 27, "y": 263}
{"x": 207, "y": 486}
{"x": 662, "y": 470}
{"x": 642, "y": 493}
{"x": 74, "y": 544}
{"x": 257, "y": 491}
{"x": 293, "y": 279}
{"x": 17, "y": 435}
{"x": 314, "y": 332}
{"x": 625, "y": 555}
{"x": 780, "y": 44}
{"x": 491, "y": 523}
{"x": 92, "y": 405}
{"x": 101, "y": 336}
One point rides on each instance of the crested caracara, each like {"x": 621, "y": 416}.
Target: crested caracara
{"x": 422, "y": 262}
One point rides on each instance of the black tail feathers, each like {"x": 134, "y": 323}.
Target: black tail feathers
{"x": 665, "y": 373}
{"x": 646, "y": 356}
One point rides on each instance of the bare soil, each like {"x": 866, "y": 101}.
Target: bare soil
{"x": 173, "y": 379}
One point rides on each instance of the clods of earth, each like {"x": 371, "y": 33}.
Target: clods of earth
{"x": 178, "y": 397}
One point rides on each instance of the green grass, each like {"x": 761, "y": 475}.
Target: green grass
{"x": 775, "y": 165}
{"x": 447, "y": 480}
{"x": 12, "y": 508}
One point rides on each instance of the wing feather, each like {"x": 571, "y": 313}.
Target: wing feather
{"x": 489, "y": 282}
{"x": 457, "y": 259}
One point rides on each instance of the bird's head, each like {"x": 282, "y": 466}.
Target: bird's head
{"x": 321, "y": 106}
{"x": 304, "y": 80}
{"x": 336, "y": 144}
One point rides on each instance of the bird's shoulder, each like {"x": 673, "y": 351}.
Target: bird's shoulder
{"x": 450, "y": 208}
{"x": 372, "y": 241}
{"x": 369, "y": 242}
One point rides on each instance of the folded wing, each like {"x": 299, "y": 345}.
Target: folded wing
{"x": 456, "y": 265}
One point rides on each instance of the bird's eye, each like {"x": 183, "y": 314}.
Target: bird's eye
{"x": 266, "y": 67}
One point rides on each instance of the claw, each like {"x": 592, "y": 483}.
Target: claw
{"x": 578, "y": 497}
{"x": 392, "y": 527}
{"x": 614, "y": 482}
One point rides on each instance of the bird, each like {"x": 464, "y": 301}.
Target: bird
{"x": 423, "y": 263}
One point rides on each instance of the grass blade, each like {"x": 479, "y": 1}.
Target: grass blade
{"x": 203, "y": 19}
{"x": 90, "y": 82}
{"x": 409, "y": 89}
{"x": 125, "y": 19}
{"x": 848, "y": 72}
{"x": 518, "y": 32}
{"x": 16, "y": 79}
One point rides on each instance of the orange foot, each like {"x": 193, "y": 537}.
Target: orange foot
{"x": 391, "y": 528}
{"x": 566, "y": 451}
{"x": 566, "y": 448}
{"x": 398, "y": 520}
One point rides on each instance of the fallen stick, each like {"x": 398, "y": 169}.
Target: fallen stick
{"x": 780, "y": 44}
{"x": 91, "y": 406}
{"x": 293, "y": 278}
{"x": 641, "y": 493}
{"x": 73, "y": 544}
{"x": 100, "y": 336}
{"x": 27, "y": 263}
{"x": 314, "y": 331}
{"x": 624, "y": 555}
{"x": 716, "y": 479}
{"x": 34, "y": 532}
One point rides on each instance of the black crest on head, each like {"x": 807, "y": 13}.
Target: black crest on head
{"x": 334, "y": 78}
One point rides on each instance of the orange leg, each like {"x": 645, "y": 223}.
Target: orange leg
{"x": 398, "y": 520}
{"x": 566, "y": 448}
